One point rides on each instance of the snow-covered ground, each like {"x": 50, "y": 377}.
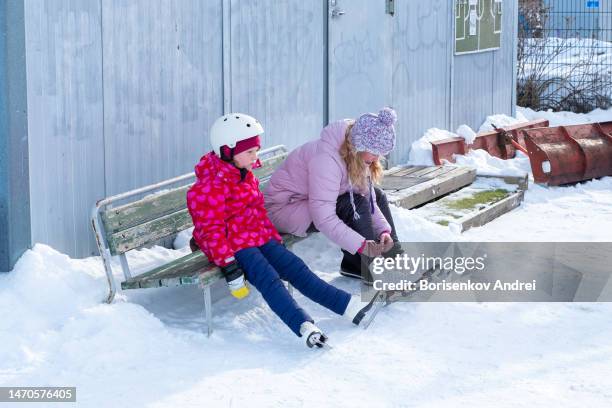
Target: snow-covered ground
{"x": 148, "y": 349}
{"x": 567, "y": 56}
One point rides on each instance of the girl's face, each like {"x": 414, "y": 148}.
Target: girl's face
{"x": 246, "y": 159}
{"x": 368, "y": 158}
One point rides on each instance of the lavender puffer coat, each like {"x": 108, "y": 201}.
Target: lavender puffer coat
{"x": 305, "y": 188}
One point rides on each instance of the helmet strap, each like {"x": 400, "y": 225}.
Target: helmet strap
{"x": 227, "y": 153}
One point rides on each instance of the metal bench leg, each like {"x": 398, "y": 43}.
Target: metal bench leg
{"x": 208, "y": 309}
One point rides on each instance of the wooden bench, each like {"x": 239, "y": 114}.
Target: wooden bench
{"x": 144, "y": 216}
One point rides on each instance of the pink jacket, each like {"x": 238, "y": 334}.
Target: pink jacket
{"x": 305, "y": 188}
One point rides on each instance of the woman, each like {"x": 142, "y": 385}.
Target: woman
{"x": 328, "y": 185}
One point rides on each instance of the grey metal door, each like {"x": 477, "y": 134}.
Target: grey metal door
{"x": 360, "y": 57}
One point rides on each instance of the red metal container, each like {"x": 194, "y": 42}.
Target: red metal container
{"x": 569, "y": 154}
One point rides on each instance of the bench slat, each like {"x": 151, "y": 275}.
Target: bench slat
{"x": 191, "y": 269}
{"x": 269, "y": 165}
{"x": 140, "y": 235}
{"x": 183, "y": 271}
{"x": 147, "y": 209}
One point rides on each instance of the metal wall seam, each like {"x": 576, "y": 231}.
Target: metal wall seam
{"x": 226, "y": 44}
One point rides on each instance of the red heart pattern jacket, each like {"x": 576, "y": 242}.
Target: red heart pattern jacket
{"x": 228, "y": 213}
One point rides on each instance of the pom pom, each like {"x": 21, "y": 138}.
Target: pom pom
{"x": 387, "y": 116}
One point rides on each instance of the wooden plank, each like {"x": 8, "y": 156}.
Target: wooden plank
{"x": 186, "y": 265}
{"x": 431, "y": 189}
{"x": 392, "y": 170}
{"x": 399, "y": 182}
{"x": 147, "y": 209}
{"x": 410, "y": 170}
{"x": 268, "y": 153}
{"x": 269, "y": 165}
{"x": 425, "y": 172}
{"x": 187, "y": 270}
{"x": 480, "y": 218}
{"x": 191, "y": 269}
{"x": 402, "y": 178}
{"x": 150, "y": 231}
{"x": 438, "y": 172}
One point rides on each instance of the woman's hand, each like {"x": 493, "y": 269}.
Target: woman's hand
{"x": 386, "y": 241}
{"x": 372, "y": 249}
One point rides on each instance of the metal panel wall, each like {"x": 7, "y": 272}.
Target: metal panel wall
{"x": 473, "y": 79}
{"x": 503, "y": 88}
{"x": 360, "y": 58}
{"x": 63, "y": 48}
{"x": 483, "y": 82}
{"x": 163, "y": 87}
{"x": 421, "y": 55}
{"x": 277, "y": 71}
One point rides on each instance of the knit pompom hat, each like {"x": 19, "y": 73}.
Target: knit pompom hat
{"x": 375, "y": 133}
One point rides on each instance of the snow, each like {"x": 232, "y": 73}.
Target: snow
{"x": 567, "y": 118}
{"x": 502, "y": 120}
{"x": 420, "y": 151}
{"x": 148, "y": 348}
{"x": 466, "y": 133}
{"x": 486, "y": 164}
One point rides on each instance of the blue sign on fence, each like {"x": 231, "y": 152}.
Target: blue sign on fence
{"x": 592, "y": 3}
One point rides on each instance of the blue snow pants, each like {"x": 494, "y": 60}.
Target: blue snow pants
{"x": 265, "y": 266}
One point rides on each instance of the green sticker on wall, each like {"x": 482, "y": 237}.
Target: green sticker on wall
{"x": 478, "y": 25}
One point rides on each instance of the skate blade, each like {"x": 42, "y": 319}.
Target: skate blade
{"x": 323, "y": 345}
{"x": 376, "y": 306}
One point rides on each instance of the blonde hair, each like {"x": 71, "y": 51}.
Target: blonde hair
{"x": 356, "y": 168}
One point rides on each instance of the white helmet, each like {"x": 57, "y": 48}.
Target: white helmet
{"x": 232, "y": 128}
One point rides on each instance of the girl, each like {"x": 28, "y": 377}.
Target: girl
{"x": 235, "y": 233}
{"x": 327, "y": 184}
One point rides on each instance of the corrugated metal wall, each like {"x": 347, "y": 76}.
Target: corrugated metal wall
{"x": 65, "y": 117}
{"x": 422, "y": 51}
{"x": 121, "y": 92}
{"x": 483, "y": 83}
{"x": 360, "y": 58}
{"x": 277, "y": 67}
{"x": 163, "y": 86}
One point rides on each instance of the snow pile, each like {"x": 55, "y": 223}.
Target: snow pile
{"x": 483, "y": 162}
{"x": 579, "y": 213}
{"x": 467, "y": 133}
{"x": 501, "y": 121}
{"x": 182, "y": 239}
{"x": 487, "y": 165}
{"x": 56, "y": 330}
{"x": 420, "y": 151}
{"x": 567, "y": 118}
